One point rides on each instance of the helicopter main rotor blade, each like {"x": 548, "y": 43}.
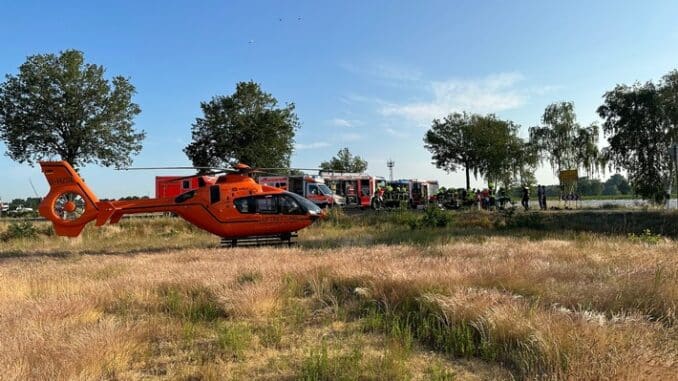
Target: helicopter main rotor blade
{"x": 155, "y": 168}
{"x": 290, "y": 168}
{"x": 197, "y": 175}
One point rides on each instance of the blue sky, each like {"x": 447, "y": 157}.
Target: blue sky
{"x": 365, "y": 75}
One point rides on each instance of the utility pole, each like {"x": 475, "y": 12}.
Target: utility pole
{"x": 390, "y": 164}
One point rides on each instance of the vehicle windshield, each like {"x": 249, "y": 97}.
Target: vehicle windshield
{"x": 325, "y": 189}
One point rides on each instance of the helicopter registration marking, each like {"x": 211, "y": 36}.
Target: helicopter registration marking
{"x": 62, "y": 181}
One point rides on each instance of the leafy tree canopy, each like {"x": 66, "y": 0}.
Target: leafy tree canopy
{"x": 452, "y": 144}
{"x": 60, "y": 106}
{"x": 505, "y": 158}
{"x": 247, "y": 127}
{"x": 563, "y": 142}
{"x": 641, "y": 123}
{"x": 482, "y": 145}
{"x": 345, "y": 162}
{"x": 619, "y": 182}
{"x": 589, "y": 187}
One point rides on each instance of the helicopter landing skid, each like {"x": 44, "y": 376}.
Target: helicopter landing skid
{"x": 288, "y": 239}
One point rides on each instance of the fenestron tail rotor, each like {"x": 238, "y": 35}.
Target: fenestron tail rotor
{"x": 69, "y": 206}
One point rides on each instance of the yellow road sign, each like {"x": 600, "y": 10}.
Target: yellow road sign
{"x": 568, "y": 176}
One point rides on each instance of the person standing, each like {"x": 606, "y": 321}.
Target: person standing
{"x": 525, "y": 201}
{"x": 540, "y": 193}
{"x": 543, "y": 196}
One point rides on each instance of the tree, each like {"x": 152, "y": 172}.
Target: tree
{"x": 610, "y": 189}
{"x": 619, "y": 182}
{"x": 589, "y": 187}
{"x": 640, "y": 124}
{"x": 563, "y": 142}
{"x": 484, "y": 145}
{"x": 504, "y": 157}
{"x": 246, "y": 127}
{"x": 452, "y": 143}
{"x": 58, "y": 105}
{"x": 345, "y": 162}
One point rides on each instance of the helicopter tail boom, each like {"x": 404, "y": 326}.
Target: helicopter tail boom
{"x": 70, "y": 204}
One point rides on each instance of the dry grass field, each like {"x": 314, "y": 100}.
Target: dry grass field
{"x": 375, "y": 300}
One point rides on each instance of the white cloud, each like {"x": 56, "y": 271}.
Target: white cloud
{"x": 313, "y": 145}
{"x": 339, "y": 122}
{"x": 490, "y": 94}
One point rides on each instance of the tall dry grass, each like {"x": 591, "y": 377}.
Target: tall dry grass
{"x": 443, "y": 306}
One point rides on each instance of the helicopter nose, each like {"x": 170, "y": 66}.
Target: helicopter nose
{"x": 316, "y": 215}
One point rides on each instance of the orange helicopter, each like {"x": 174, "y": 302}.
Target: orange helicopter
{"x": 232, "y": 206}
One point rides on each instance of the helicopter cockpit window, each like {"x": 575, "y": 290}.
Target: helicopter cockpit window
{"x": 289, "y": 206}
{"x": 246, "y": 205}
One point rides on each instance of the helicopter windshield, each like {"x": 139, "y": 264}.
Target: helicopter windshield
{"x": 305, "y": 203}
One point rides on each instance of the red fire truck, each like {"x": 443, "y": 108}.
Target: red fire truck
{"x": 416, "y": 193}
{"x": 172, "y": 186}
{"x": 358, "y": 189}
{"x": 311, "y": 187}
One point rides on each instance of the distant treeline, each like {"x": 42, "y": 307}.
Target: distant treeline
{"x": 33, "y": 202}
{"x": 614, "y": 186}
{"x": 30, "y": 202}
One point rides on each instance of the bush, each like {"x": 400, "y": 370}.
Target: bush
{"x": 433, "y": 217}
{"x": 336, "y": 217}
{"x": 436, "y": 218}
{"x": 18, "y": 230}
{"x": 646, "y": 237}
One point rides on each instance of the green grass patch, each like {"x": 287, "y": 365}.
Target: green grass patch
{"x": 234, "y": 338}
{"x": 190, "y": 302}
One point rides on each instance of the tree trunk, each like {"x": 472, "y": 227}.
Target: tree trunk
{"x": 468, "y": 177}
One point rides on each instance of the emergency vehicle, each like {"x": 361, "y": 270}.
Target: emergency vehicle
{"x": 311, "y": 187}
{"x": 358, "y": 189}
{"x": 172, "y": 186}
{"x": 416, "y": 193}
